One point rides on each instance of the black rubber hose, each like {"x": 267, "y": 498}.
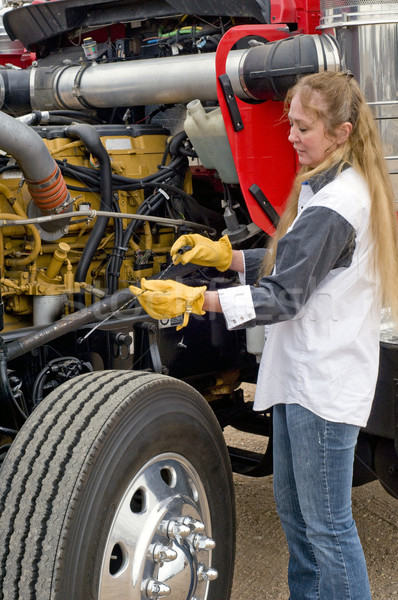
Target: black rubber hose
{"x": 13, "y": 416}
{"x": 269, "y": 70}
{"x": 91, "y": 139}
{"x": 7, "y": 431}
{"x": 76, "y": 115}
{"x": 61, "y": 120}
{"x": 112, "y": 273}
{"x": 90, "y": 179}
{"x": 38, "y": 387}
{"x": 176, "y": 142}
{"x": 81, "y": 173}
{"x": 96, "y": 312}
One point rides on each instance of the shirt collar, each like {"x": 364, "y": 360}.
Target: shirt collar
{"x": 318, "y": 181}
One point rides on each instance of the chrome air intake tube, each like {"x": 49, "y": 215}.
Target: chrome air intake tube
{"x": 257, "y": 73}
{"x": 22, "y": 143}
{"x": 42, "y": 175}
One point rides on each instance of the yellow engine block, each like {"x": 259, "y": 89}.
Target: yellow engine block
{"x": 37, "y": 276}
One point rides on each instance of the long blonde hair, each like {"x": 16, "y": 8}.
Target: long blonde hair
{"x": 343, "y": 101}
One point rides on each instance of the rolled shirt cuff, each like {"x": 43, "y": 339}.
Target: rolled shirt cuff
{"x": 237, "y": 306}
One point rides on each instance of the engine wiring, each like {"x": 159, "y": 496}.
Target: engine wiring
{"x": 198, "y": 36}
{"x": 165, "y": 202}
{"x": 163, "y": 195}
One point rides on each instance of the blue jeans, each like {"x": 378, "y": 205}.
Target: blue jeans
{"x": 313, "y": 464}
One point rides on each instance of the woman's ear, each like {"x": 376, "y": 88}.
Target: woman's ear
{"x": 343, "y": 132}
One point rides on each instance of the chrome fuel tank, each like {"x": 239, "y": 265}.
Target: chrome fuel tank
{"x": 367, "y": 33}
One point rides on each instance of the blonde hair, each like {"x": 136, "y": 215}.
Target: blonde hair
{"x": 343, "y": 101}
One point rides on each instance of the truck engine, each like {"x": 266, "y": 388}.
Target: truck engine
{"x": 132, "y": 124}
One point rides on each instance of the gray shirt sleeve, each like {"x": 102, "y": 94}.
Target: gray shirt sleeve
{"x": 253, "y": 260}
{"x": 320, "y": 240}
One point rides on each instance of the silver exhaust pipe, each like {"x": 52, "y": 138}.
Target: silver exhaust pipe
{"x": 257, "y": 73}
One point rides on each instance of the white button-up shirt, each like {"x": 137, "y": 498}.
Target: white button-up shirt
{"x": 322, "y": 349}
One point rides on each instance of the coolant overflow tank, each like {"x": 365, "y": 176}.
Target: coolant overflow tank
{"x": 207, "y": 133}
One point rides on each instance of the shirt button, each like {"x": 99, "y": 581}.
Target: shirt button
{"x": 233, "y": 320}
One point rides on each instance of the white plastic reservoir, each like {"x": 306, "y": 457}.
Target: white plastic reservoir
{"x": 207, "y": 133}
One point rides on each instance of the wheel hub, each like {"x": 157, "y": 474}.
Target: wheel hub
{"x": 159, "y": 542}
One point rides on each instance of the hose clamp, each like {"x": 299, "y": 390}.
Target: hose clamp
{"x": 76, "y": 86}
{"x": 64, "y": 206}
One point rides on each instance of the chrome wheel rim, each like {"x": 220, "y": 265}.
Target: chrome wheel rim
{"x": 159, "y": 543}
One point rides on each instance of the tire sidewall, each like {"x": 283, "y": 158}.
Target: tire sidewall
{"x": 171, "y": 418}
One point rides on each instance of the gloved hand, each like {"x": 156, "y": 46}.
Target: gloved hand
{"x": 204, "y": 252}
{"x": 168, "y": 299}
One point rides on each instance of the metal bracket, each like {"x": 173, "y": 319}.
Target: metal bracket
{"x": 265, "y": 204}
{"x": 153, "y": 347}
{"x": 231, "y": 103}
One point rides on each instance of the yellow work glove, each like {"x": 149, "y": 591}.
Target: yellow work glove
{"x": 204, "y": 252}
{"x": 168, "y": 299}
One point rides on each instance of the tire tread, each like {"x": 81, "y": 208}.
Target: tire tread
{"x": 24, "y": 471}
{"x": 49, "y": 462}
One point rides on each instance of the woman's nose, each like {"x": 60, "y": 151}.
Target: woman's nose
{"x": 292, "y": 137}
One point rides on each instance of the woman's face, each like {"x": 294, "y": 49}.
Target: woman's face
{"x": 307, "y": 134}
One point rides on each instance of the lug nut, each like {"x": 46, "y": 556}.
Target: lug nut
{"x": 156, "y": 589}
{"x": 195, "y": 525}
{"x": 207, "y": 573}
{"x": 174, "y": 529}
{"x": 161, "y": 553}
{"x": 202, "y": 542}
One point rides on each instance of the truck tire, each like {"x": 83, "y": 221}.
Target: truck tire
{"x": 117, "y": 486}
{"x": 386, "y": 465}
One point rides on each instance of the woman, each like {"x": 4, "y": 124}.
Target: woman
{"x": 329, "y": 268}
